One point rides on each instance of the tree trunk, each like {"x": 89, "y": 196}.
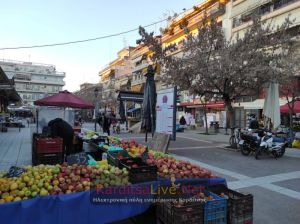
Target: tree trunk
{"x": 205, "y": 119}
{"x": 229, "y": 114}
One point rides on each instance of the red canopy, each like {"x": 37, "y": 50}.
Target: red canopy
{"x": 285, "y": 108}
{"x": 64, "y": 99}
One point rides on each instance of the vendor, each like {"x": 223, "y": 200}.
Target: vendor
{"x": 60, "y": 128}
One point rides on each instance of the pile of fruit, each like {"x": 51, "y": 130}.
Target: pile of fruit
{"x": 114, "y": 140}
{"x": 60, "y": 179}
{"x": 132, "y": 147}
{"x": 156, "y": 154}
{"x": 35, "y": 181}
{"x": 168, "y": 166}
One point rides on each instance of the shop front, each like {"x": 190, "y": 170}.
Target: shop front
{"x": 215, "y": 112}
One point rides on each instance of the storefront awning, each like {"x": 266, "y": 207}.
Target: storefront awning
{"x": 209, "y": 105}
{"x": 257, "y": 104}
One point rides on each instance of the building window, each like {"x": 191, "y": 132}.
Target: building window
{"x": 281, "y": 3}
{"x": 236, "y": 22}
{"x": 246, "y": 17}
{"x": 265, "y": 9}
{"x": 28, "y": 86}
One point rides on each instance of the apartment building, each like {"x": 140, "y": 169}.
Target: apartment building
{"x": 116, "y": 76}
{"x": 176, "y": 32}
{"x": 33, "y": 81}
{"x": 91, "y": 93}
{"x": 271, "y": 11}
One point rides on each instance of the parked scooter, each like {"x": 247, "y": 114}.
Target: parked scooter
{"x": 271, "y": 145}
{"x": 250, "y": 141}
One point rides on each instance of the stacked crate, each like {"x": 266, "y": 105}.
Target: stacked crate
{"x": 46, "y": 150}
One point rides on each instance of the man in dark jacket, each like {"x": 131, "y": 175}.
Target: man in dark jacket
{"x": 60, "y": 128}
{"x": 254, "y": 123}
{"x": 106, "y": 124}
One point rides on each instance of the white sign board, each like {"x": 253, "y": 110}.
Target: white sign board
{"x": 166, "y": 112}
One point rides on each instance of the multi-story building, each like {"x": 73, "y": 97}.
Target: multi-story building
{"x": 33, "y": 81}
{"x": 271, "y": 11}
{"x": 176, "y": 33}
{"x": 116, "y": 76}
{"x": 8, "y": 94}
{"x": 91, "y": 93}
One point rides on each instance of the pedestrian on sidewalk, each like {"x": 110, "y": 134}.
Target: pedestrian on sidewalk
{"x": 28, "y": 121}
{"x": 182, "y": 121}
{"x": 106, "y": 124}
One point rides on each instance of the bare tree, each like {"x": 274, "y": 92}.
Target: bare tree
{"x": 209, "y": 64}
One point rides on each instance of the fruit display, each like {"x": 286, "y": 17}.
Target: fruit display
{"x": 114, "y": 140}
{"x": 168, "y": 166}
{"x": 89, "y": 134}
{"x": 46, "y": 180}
{"x": 35, "y": 181}
{"x": 157, "y": 154}
{"x": 132, "y": 147}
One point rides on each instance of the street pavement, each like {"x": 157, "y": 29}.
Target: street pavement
{"x": 275, "y": 184}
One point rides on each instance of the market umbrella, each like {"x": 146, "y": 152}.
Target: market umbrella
{"x": 64, "y": 99}
{"x": 149, "y": 102}
{"x": 271, "y": 108}
{"x": 285, "y": 108}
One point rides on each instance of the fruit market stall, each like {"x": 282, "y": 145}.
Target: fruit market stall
{"x": 124, "y": 185}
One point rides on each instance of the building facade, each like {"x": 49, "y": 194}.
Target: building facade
{"x": 116, "y": 76}
{"x": 90, "y": 92}
{"x": 176, "y": 33}
{"x": 33, "y": 81}
{"x": 234, "y": 16}
{"x": 271, "y": 11}
{"x": 8, "y": 94}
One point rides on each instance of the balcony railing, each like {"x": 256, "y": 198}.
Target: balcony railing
{"x": 139, "y": 67}
{"x": 215, "y": 10}
{"x": 42, "y": 82}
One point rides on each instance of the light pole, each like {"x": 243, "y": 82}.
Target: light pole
{"x": 96, "y": 91}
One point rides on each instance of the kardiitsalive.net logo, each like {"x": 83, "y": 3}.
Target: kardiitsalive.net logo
{"x": 145, "y": 193}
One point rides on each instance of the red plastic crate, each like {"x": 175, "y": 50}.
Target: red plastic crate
{"x": 49, "y": 145}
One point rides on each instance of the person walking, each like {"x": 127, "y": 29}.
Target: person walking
{"x": 106, "y": 124}
{"x": 182, "y": 121}
{"x": 28, "y": 121}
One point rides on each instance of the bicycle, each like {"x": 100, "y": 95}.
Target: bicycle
{"x": 235, "y": 137}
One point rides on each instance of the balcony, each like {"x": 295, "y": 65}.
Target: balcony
{"x": 140, "y": 67}
{"x": 268, "y": 10}
{"x": 43, "y": 82}
{"x": 213, "y": 11}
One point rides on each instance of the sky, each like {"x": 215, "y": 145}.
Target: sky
{"x": 35, "y": 22}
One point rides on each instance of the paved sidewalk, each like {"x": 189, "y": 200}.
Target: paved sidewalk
{"x": 15, "y": 147}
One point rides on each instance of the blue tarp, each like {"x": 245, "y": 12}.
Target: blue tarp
{"x": 77, "y": 208}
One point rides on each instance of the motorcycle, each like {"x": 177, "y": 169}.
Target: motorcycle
{"x": 271, "y": 145}
{"x": 250, "y": 141}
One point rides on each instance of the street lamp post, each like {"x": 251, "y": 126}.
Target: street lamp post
{"x": 96, "y": 91}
